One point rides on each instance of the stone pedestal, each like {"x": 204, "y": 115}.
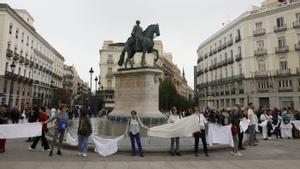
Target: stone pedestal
{"x": 137, "y": 89}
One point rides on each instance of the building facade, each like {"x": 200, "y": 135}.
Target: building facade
{"x": 74, "y": 86}
{"x": 255, "y": 58}
{"x": 29, "y": 66}
{"x": 109, "y": 57}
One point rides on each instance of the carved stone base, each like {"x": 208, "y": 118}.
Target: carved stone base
{"x": 137, "y": 89}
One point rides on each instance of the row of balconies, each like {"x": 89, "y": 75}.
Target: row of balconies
{"x": 262, "y": 31}
{"x": 283, "y": 49}
{"x": 222, "y": 46}
{"x": 223, "y": 80}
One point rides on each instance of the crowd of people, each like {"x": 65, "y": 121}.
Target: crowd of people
{"x": 266, "y": 121}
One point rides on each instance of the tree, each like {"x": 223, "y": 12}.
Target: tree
{"x": 169, "y": 97}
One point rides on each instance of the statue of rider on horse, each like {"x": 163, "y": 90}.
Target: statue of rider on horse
{"x": 140, "y": 41}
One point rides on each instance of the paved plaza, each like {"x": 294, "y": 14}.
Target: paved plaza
{"x": 273, "y": 154}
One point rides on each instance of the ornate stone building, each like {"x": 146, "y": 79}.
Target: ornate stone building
{"x": 255, "y": 58}
{"x": 29, "y": 66}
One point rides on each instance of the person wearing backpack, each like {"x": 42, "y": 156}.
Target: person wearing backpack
{"x": 61, "y": 126}
{"x": 84, "y": 131}
{"x": 133, "y": 130}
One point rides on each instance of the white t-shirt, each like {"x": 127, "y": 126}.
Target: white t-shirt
{"x": 173, "y": 118}
{"x": 53, "y": 112}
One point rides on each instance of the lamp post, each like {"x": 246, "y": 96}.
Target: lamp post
{"x": 91, "y": 77}
{"x": 12, "y": 67}
{"x": 52, "y": 92}
{"x": 96, "y": 82}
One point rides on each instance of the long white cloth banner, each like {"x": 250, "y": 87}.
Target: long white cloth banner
{"x": 21, "y": 130}
{"x": 219, "y": 135}
{"x": 70, "y": 140}
{"x": 296, "y": 124}
{"x": 244, "y": 124}
{"x": 106, "y": 147}
{"x": 184, "y": 127}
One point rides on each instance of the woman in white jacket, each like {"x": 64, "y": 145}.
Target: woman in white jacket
{"x": 266, "y": 121}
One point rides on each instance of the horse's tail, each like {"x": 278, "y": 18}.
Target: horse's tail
{"x": 122, "y": 57}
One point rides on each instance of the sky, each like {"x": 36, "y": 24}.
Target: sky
{"x": 77, "y": 28}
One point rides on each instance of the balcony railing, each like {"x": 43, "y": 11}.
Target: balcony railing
{"x": 230, "y": 60}
{"x": 286, "y": 72}
{"x": 260, "y": 74}
{"x": 296, "y": 24}
{"x": 238, "y": 57}
{"x": 230, "y": 43}
{"x": 285, "y": 89}
{"x": 22, "y": 59}
{"x": 237, "y": 38}
{"x": 259, "y": 32}
{"x": 224, "y": 46}
{"x": 16, "y": 57}
{"x": 280, "y": 28}
{"x": 282, "y": 49}
{"x": 297, "y": 46}
{"x": 260, "y": 52}
{"x": 9, "y": 53}
{"x": 263, "y": 90}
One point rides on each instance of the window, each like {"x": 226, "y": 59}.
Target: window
{"x": 240, "y": 69}
{"x": 27, "y": 41}
{"x": 298, "y": 17}
{"x": 231, "y": 53}
{"x": 240, "y": 50}
{"x": 226, "y": 56}
{"x": 25, "y": 73}
{"x": 19, "y": 71}
{"x": 22, "y": 38}
{"x": 261, "y": 66}
{"x": 109, "y": 84}
{"x": 230, "y": 36}
{"x": 280, "y": 22}
{"x": 109, "y": 72}
{"x": 110, "y": 59}
{"x": 10, "y": 28}
{"x": 6, "y": 66}
{"x": 281, "y": 42}
{"x": 17, "y": 33}
{"x": 232, "y": 71}
{"x": 221, "y": 75}
{"x": 259, "y": 25}
{"x": 283, "y": 65}
{"x": 260, "y": 45}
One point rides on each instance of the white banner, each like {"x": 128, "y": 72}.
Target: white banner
{"x": 106, "y": 147}
{"x": 184, "y": 127}
{"x": 21, "y": 130}
{"x": 70, "y": 140}
{"x": 296, "y": 124}
{"x": 219, "y": 135}
{"x": 244, "y": 124}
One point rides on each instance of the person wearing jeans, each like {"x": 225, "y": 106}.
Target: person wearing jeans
{"x": 84, "y": 131}
{"x": 58, "y": 131}
{"x": 201, "y": 133}
{"x": 133, "y": 130}
{"x": 252, "y": 124}
{"x": 172, "y": 119}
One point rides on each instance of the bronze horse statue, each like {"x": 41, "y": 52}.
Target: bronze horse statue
{"x": 147, "y": 45}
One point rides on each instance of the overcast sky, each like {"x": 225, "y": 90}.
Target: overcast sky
{"x": 77, "y": 28}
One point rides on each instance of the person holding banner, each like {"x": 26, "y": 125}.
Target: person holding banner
{"x": 3, "y": 120}
{"x": 201, "y": 133}
{"x": 42, "y": 118}
{"x": 252, "y": 125}
{"x": 133, "y": 130}
{"x": 61, "y": 126}
{"x": 172, "y": 119}
{"x": 84, "y": 131}
{"x": 266, "y": 124}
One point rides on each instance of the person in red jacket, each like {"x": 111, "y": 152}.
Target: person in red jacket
{"x": 42, "y": 118}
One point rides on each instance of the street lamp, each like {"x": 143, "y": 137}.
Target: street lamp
{"x": 91, "y": 77}
{"x": 96, "y": 82}
{"x": 52, "y": 93}
{"x": 12, "y": 67}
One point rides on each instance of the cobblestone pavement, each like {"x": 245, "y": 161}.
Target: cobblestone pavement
{"x": 272, "y": 154}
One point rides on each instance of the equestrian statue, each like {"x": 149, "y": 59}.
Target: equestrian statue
{"x": 140, "y": 41}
